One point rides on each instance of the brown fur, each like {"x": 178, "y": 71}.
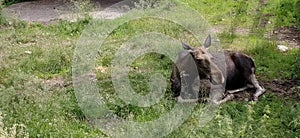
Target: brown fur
{"x": 238, "y": 69}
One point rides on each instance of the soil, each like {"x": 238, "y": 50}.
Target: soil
{"x": 282, "y": 88}
{"x": 48, "y": 11}
{"x": 287, "y": 35}
{"x": 54, "y": 82}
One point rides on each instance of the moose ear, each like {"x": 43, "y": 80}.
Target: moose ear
{"x": 185, "y": 46}
{"x": 207, "y": 42}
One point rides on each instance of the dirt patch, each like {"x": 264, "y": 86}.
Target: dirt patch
{"x": 47, "y": 11}
{"x": 38, "y": 11}
{"x": 289, "y": 36}
{"x": 54, "y": 82}
{"x": 282, "y": 88}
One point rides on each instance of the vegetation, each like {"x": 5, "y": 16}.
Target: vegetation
{"x": 37, "y": 97}
{"x": 9, "y": 2}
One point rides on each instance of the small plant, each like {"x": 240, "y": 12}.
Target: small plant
{"x": 296, "y": 66}
{"x": 287, "y": 13}
{"x": 10, "y": 2}
{"x": 297, "y": 5}
{"x": 2, "y": 19}
{"x": 17, "y": 130}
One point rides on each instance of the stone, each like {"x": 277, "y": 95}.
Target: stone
{"x": 283, "y": 48}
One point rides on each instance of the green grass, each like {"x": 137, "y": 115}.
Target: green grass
{"x": 268, "y": 118}
{"x": 51, "y": 110}
{"x": 10, "y": 2}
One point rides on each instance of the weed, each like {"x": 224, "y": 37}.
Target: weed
{"x": 296, "y": 66}
{"x": 286, "y": 13}
{"x": 17, "y": 130}
{"x": 10, "y": 2}
{"x": 2, "y": 19}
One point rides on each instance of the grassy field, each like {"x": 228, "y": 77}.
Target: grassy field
{"x": 37, "y": 97}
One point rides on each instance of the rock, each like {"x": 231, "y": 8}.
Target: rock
{"x": 28, "y": 52}
{"x": 282, "y": 48}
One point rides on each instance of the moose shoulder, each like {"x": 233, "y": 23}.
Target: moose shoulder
{"x": 239, "y": 73}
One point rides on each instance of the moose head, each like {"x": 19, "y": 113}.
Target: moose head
{"x": 203, "y": 59}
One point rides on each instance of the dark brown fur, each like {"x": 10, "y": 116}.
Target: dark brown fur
{"x": 238, "y": 69}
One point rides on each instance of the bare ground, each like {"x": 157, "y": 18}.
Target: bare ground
{"x": 287, "y": 35}
{"x": 47, "y": 11}
{"x": 282, "y": 88}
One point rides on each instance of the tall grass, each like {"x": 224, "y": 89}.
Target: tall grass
{"x": 10, "y": 2}
{"x": 283, "y": 13}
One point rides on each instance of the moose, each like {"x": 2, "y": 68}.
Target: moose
{"x": 238, "y": 75}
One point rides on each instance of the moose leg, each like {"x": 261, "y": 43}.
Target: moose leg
{"x": 179, "y": 99}
{"x": 259, "y": 90}
{"x": 225, "y": 99}
{"x": 240, "y": 89}
{"x": 217, "y": 94}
